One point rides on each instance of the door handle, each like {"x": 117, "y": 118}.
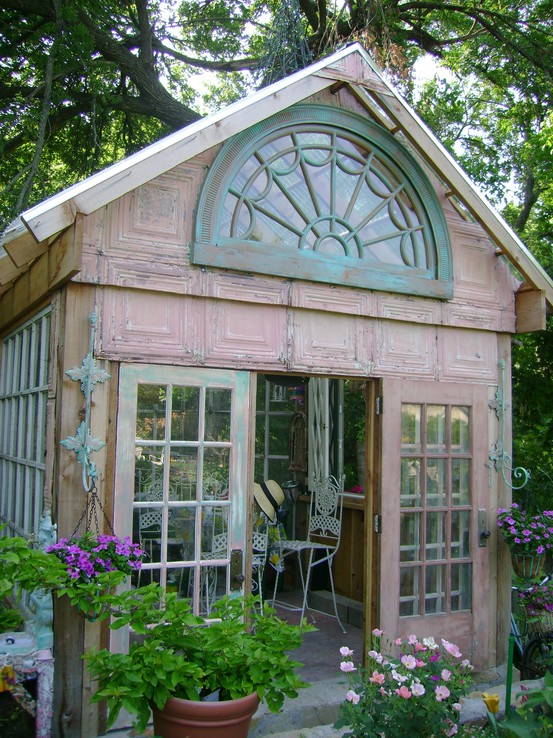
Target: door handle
{"x": 483, "y": 531}
{"x": 237, "y": 577}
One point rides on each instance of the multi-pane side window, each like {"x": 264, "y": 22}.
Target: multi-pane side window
{"x": 322, "y": 194}
{"x": 275, "y": 407}
{"x": 436, "y": 499}
{"x": 24, "y": 366}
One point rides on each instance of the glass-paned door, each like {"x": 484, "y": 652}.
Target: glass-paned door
{"x": 436, "y": 503}
{"x": 181, "y": 474}
{"x": 434, "y": 481}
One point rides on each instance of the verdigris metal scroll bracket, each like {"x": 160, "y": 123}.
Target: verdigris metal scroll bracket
{"x": 498, "y": 459}
{"x": 83, "y": 443}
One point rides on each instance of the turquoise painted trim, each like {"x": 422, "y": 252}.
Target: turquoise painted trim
{"x": 210, "y": 249}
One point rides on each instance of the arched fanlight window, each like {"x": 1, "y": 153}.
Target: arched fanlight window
{"x": 322, "y": 194}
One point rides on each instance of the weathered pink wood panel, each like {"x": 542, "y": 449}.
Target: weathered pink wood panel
{"x": 467, "y": 355}
{"x": 322, "y": 340}
{"x": 405, "y": 349}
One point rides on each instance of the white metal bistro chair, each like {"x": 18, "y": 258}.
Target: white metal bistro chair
{"x": 323, "y": 535}
{"x": 260, "y": 547}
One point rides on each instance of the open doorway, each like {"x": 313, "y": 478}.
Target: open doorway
{"x": 306, "y": 428}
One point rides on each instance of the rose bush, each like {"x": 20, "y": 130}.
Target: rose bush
{"x": 414, "y": 692}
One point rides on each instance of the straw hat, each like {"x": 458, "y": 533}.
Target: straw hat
{"x": 269, "y": 496}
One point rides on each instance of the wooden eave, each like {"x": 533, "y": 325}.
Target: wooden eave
{"x": 350, "y": 66}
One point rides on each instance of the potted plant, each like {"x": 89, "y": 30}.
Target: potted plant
{"x": 179, "y": 662}
{"x": 413, "y": 692}
{"x": 528, "y": 537}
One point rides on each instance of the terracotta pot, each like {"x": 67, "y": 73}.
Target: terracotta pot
{"x": 526, "y": 566}
{"x": 189, "y": 719}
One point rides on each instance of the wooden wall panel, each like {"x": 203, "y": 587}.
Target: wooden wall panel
{"x": 467, "y": 355}
{"x": 240, "y": 335}
{"x": 405, "y": 349}
{"x": 329, "y": 344}
{"x": 148, "y": 325}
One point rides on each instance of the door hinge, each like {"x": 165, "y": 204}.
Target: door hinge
{"x": 377, "y": 523}
{"x": 379, "y": 405}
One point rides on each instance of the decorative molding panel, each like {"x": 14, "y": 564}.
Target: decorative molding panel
{"x": 147, "y": 325}
{"x": 235, "y": 334}
{"x": 413, "y": 310}
{"x": 332, "y": 299}
{"x": 405, "y": 349}
{"x": 468, "y": 355}
{"x": 246, "y": 288}
{"x": 326, "y": 343}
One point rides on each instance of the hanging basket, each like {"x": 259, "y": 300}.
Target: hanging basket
{"x": 527, "y": 566}
{"x": 541, "y": 623}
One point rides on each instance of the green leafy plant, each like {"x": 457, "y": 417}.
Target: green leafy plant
{"x": 10, "y": 619}
{"x": 415, "y": 691}
{"x": 243, "y": 649}
{"x": 23, "y": 566}
{"x": 534, "y": 715}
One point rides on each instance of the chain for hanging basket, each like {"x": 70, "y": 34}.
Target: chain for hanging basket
{"x": 90, "y": 515}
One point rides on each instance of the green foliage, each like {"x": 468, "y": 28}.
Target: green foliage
{"x": 84, "y": 84}
{"x": 243, "y": 650}
{"x": 10, "y": 619}
{"x": 534, "y": 714}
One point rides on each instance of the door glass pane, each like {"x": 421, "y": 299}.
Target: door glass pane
{"x": 148, "y": 476}
{"x": 436, "y": 469}
{"x": 460, "y": 534}
{"x": 213, "y": 585}
{"x": 149, "y": 521}
{"x": 460, "y": 481}
{"x": 185, "y": 413}
{"x": 183, "y": 473}
{"x": 217, "y": 414}
{"x": 460, "y": 440}
{"x": 214, "y": 543}
{"x": 461, "y": 587}
{"x": 150, "y": 412}
{"x": 435, "y": 589}
{"x": 410, "y": 537}
{"x": 410, "y": 482}
{"x": 435, "y": 536}
{"x": 435, "y": 429}
{"x": 411, "y": 428}
{"x": 436, "y": 482}
{"x": 409, "y": 592}
{"x": 216, "y": 473}
{"x": 182, "y": 521}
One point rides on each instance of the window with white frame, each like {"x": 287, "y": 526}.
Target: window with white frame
{"x": 24, "y": 367}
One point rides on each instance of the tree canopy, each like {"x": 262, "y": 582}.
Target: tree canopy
{"x": 84, "y": 84}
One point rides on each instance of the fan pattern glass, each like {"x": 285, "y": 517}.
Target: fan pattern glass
{"x": 327, "y": 191}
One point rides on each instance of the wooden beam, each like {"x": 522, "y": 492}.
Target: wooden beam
{"x": 531, "y": 310}
{"x": 8, "y": 271}
{"x": 24, "y": 248}
{"x": 47, "y": 273}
